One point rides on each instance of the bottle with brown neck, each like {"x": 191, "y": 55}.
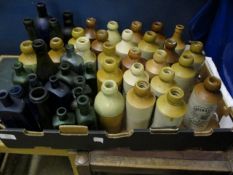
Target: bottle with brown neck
{"x": 97, "y": 45}
{"x": 153, "y": 66}
{"x": 90, "y": 28}
{"x": 203, "y": 103}
{"x": 76, "y": 33}
{"x": 169, "y": 47}
{"x": 109, "y": 71}
{"x": 177, "y": 36}
{"x": 113, "y": 34}
{"x": 57, "y": 49}
{"x": 28, "y": 56}
{"x": 136, "y": 27}
{"x": 157, "y": 27}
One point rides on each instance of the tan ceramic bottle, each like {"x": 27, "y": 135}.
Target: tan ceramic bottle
{"x": 77, "y": 32}
{"x": 136, "y": 27}
{"x": 170, "y": 109}
{"x": 97, "y": 45}
{"x": 147, "y": 45}
{"x": 160, "y": 84}
{"x": 177, "y": 36}
{"x": 109, "y": 105}
{"x": 109, "y": 71}
{"x": 154, "y": 65}
{"x": 114, "y": 36}
{"x": 169, "y": 47}
{"x": 123, "y": 47}
{"x": 28, "y": 56}
{"x": 157, "y": 27}
{"x": 134, "y": 74}
{"x": 57, "y": 49}
{"x": 139, "y": 106}
{"x": 108, "y": 51}
{"x": 90, "y": 32}
{"x": 203, "y": 103}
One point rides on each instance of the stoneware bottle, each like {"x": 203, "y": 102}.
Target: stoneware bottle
{"x": 85, "y": 114}
{"x": 136, "y": 27}
{"x": 139, "y": 106}
{"x": 27, "y": 56}
{"x": 153, "y": 66}
{"x": 68, "y": 25}
{"x": 114, "y": 36}
{"x": 123, "y": 47}
{"x": 90, "y": 32}
{"x": 157, "y": 27}
{"x": 19, "y": 75}
{"x": 133, "y": 56}
{"x": 76, "y": 61}
{"x": 57, "y": 49}
{"x": 63, "y": 117}
{"x": 54, "y": 28}
{"x": 185, "y": 74}
{"x": 196, "y": 50}
{"x": 109, "y": 105}
{"x": 203, "y": 103}
{"x": 147, "y": 45}
{"x": 76, "y": 33}
{"x": 97, "y": 45}
{"x": 109, "y": 71}
{"x": 134, "y": 74}
{"x": 177, "y": 36}
{"x": 33, "y": 81}
{"x": 109, "y": 50}
{"x": 160, "y": 84}
{"x": 169, "y": 47}
{"x": 170, "y": 109}
{"x": 30, "y": 28}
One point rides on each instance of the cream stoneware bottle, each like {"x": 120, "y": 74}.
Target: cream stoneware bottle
{"x": 114, "y": 36}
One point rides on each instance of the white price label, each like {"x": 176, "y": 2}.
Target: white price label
{"x": 7, "y": 137}
{"x": 98, "y": 139}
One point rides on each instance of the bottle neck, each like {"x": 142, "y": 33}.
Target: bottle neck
{"x": 62, "y": 113}
{"x": 79, "y": 81}
{"x": 16, "y": 91}
{"x": 42, "y": 11}
{"x": 83, "y": 104}
{"x": 54, "y": 82}
{"x": 5, "y": 98}
{"x": 18, "y": 67}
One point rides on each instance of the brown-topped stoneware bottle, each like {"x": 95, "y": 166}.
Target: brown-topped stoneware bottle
{"x": 57, "y": 49}
{"x": 90, "y": 32}
{"x": 177, "y": 36}
{"x": 27, "y": 56}
{"x": 147, "y": 45}
{"x": 154, "y": 65}
{"x": 139, "y": 106}
{"x": 109, "y": 71}
{"x": 136, "y": 27}
{"x": 157, "y": 27}
{"x": 169, "y": 47}
{"x": 114, "y": 36}
{"x": 203, "y": 103}
{"x": 76, "y": 33}
{"x": 97, "y": 45}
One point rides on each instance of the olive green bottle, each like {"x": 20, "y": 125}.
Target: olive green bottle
{"x": 57, "y": 49}
{"x": 19, "y": 75}
{"x": 77, "y": 32}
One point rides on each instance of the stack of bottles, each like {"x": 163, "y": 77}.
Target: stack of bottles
{"x": 96, "y": 78}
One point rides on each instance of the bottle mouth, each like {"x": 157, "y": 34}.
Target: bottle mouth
{"x": 141, "y": 87}
{"x": 15, "y": 90}
{"x": 167, "y": 74}
{"x": 109, "y": 87}
{"x": 53, "y": 79}
{"x": 179, "y": 27}
{"x": 40, "y": 4}
{"x": 64, "y": 66}
{"x": 52, "y": 20}
{"x": 27, "y": 43}
{"x": 212, "y": 84}
{"x": 149, "y": 36}
{"x": 157, "y": 26}
{"x": 79, "y": 80}
{"x": 175, "y": 95}
{"x": 61, "y": 111}
{"x": 67, "y": 15}
{"x": 31, "y": 77}
{"x": 77, "y": 91}
{"x": 28, "y": 21}
{"x": 160, "y": 56}
{"x": 39, "y": 45}
{"x": 102, "y": 35}
{"x": 3, "y": 94}
{"x": 109, "y": 61}
{"x": 38, "y": 94}
{"x": 108, "y": 45}
{"x": 90, "y": 22}
{"x": 78, "y": 29}
{"x": 170, "y": 43}
{"x": 137, "y": 68}
{"x": 112, "y": 25}
{"x": 127, "y": 34}
{"x": 136, "y": 26}
{"x": 186, "y": 60}
{"x": 18, "y": 65}
{"x": 83, "y": 100}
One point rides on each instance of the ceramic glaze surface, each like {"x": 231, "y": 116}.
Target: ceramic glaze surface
{"x": 114, "y": 36}
{"x": 57, "y": 49}
{"x": 177, "y": 36}
{"x": 76, "y": 33}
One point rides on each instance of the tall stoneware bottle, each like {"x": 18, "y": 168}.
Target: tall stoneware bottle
{"x": 170, "y": 109}
{"x": 185, "y": 74}
{"x": 76, "y": 33}
{"x": 134, "y": 74}
{"x": 109, "y": 71}
{"x": 54, "y": 28}
{"x": 157, "y": 27}
{"x": 90, "y": 32}
{"x": 196, "y": 50}
{"x": 19, "y": 75}
{"x": 136, "y": 27}
{"x": 30, "y": 28}
{"x": 123, "y": 47}
{"x": 109, "y": 105}
{"x": 139, "y": 106}
{"x": 169, "y": 47}
{"x": 177, "y": 36}
{"x": 109, "y": 50}
{"x": 203, "y": 103}
{"x": 153, "y": 66}
{"x": 97, "y": 45}
{"x": 57, "y": 49}
{"x": 114, "y": 36}
{"x": 27, "y": 56}
{"x": 160, "y": 84}
{"x": 147, "y": 45}
{"x": 68, "y": 25}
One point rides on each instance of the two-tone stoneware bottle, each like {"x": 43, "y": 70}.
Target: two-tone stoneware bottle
{"x": 114, "y": 36}
{"x": 157, "y": 27}
{"x": 57, "y": 49}
{"x": 136, "y": 27}
{"x": 170, "y": 109}
{"x": 139, "y": 106}
{"x": 109, "y": 105}
{"x": 90, "y": 32}
{"x": 76, "y": 33}
{"x": 97, "y": 45}
{"x": 169, "y": 47}
{"x": 177, "y": 36}
{"x": 203, "y": 103}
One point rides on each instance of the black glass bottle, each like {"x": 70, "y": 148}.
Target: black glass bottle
{"x": 76, "y": 92}
{"x": 19, "y": 75}
{"x": 90, "y": 77}
{"x": 65, "y": 74}
{"x": 68, "y": 23}
{"x": 30, "y": 28}
{"x": 54, "y": 28}
{"x": 33, "y": 81}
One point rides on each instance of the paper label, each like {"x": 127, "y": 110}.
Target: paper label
{"x": 98, "y": 140}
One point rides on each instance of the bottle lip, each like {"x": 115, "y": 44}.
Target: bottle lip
{"x": 112, "y": 25}
{"x": 53, "y": 21}
{"x": 149, "y": 36}
{"x": 157, "y": 26}
{"x": 170, "y": 43}
{"x": 109, "y": 64}
{"x": 69, "y": 48}
{"x": 137, "y": 69}
{"x": 64, "y": 66}
{"x": 18, "y": 66}
{"x": 167, "y": 74}
{"x": 102, "y": 35}
{"x": 61, "y": 111}
{"x": 41, "y": 9}
{"x": 186, "y": 60}
{"x": 108, "y": 47}
{"x": 79, "y": 80}
{"x": 3, "y": 94}
{"x": 109, "y": 87}
{"x": 77, "y": 91}
{"x": 83, "y": 100}
{"x": 54, "y": 81}
{"x": 90, "y": 22}
{"x": 56, "y": 43}
{"x": 68, "y": 17}
{"x": 134, "y": 53}
{"x": 39, "y": 46}
{"x": 136, "y": 26}
{"x": 16, "y": 91}
{"x": 32, "y": 77}
{"x": 160, "y": 56}
{"x": 127, "y": 35}
{"x": 26, "y": 46}
{"x": 196, "y": 47}
{"x": 142, "y": 88}
{"x": 77, "y": 32}
{"x": 212, "y": 84}
{"x": 83, "y": 43}
{"x": 175, "y": 95}
{"x": 179, "y": 27}
{"x": 38, "y": 94}
{"x": 28, "y": 22}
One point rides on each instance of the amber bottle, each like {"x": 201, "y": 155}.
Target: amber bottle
{"x": 169, "y": 47}
{"x": 113, "y": 34}
{"x": 97, "y": 45}
{"x": 136, "y": 27}
{"x": 57, "y": 49}
{"x": 76, "y": 33}
{"x": 177, "y": 36}
{"x": 157, "y": 27}
{"x": 90, "y": 32}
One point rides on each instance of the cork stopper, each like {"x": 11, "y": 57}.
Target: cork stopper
{"x": 142, "y": 88}
{"x": 112, "y": 25}
{"x": 137, "y": 69}
{"x": 102, "y": 35}
{"x": 26, "y": 47}
{"x": 91, "y": 22}
{"x": 186, "y": 60}
{"x": 108, "y": 48}
{"x": 56, "y": 43}
{"x": 170, "y": 44}
{"x": 109, "y": 64}
{"x": 83, "y": 43}
{"x": 127, "y": 35}
{"x": 179, "y": 28}
{"x": 149, "y": 36}
{"x": 78, "y": 32}
{"x": 160, "y": 56}
{"x": 109, "y": 87}
{"x": 157, "y": 26}
{"x": 134, "y": 53}
{"x": 196, "y": 47}
{"x": 212, "y": 84}
{"x": 167, "y": 74}
{"x": 175, "y": 96}
{"x": 136, "y": 26}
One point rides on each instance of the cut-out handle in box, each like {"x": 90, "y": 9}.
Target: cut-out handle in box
{"x": 164, "y": 130}
{"x": 73, "y": 130}
{"x": 205, "y": 133}
{"x": 120, "y": 135}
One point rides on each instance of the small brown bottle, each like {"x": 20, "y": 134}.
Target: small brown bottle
{"x": 97, "y": 45}
{"x": 169, "y": 47}
{"x": 90, "y": 29}
{"x": 177, "y": 36}
{"x": 57, "y": 49}
{"x": 157, "y": 27}
{"x": 136, "y": 27}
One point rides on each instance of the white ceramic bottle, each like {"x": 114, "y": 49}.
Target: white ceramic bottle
{"x": 114, "y": 36}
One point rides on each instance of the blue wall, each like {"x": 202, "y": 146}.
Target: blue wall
{"x": 171, "y": 12}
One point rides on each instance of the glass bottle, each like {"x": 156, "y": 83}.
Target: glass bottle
{"x": 76, "y": 33}
{"x": 55, "y": 28}
{"x": 177, "y": 36}
{"x": 136, "y": 27}
{"x": 63, "y": 117}
{"x": 76, "y": 92}
{"x": 33, "y": 81}
{"x": 157, "y": 27}
{"x": 19, "y": 75}
{"x": 90, "y": 76}
{"x": 57, "y": 49}
{"x": 30, "y": 28}
{"x": 113, "y": 34}
{"x": 97, "y": 45}
{"x": 68, "y": 25}
{"x": 90, "y": 32}
{"x": 169, "y": 47}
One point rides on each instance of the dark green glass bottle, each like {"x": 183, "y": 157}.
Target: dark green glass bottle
{"x": 19, "y": 75}
{"x": 76, "y": 92}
